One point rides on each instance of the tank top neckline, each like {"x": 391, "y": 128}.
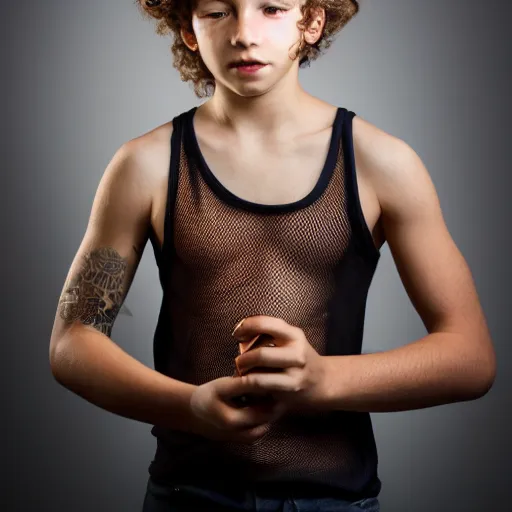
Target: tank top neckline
{"x": 229, "y": 197}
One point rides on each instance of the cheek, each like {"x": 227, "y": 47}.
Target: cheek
{"x": 283, "y": 35}
{"x": 203, "y": 32}
{"x": 208, "y": 40}
{"x": 199, "y": 30}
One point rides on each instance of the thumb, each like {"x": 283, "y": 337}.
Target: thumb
{"x": 229, "y": 387}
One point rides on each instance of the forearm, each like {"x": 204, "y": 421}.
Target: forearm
{"x": 91, "y": 365}
{"x": 435, "y": 370}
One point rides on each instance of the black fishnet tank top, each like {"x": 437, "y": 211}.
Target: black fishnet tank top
{"x": 311, "y": 263}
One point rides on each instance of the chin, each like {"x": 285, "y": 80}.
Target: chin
{"x": 251, "y": 89}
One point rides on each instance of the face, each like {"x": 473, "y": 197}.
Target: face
{"x": 227, "y": 31}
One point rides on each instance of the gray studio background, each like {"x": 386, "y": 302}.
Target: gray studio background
{"x": 80, "y": 78}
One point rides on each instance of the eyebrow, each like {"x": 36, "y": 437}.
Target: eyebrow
{"x": 287, "y": 3}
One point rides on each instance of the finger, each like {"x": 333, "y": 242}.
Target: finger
{"x": 267, "y": 357}
{"x": 275, "y": 327}
{"x": 269, "y": 382}
{"x": 229, "y": 387}
{"x": 252, "y": 435}
{"x": 260, "y": 340}
{"x": 252, "y": 416}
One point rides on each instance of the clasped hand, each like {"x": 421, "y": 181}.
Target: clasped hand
{"x": 301, "y": 384}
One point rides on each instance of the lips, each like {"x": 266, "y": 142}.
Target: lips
{"x": 246, "y": 63}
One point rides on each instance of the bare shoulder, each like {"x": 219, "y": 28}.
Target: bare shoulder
{"x": 152, "y": 150}
{"x": 396, "y": 173}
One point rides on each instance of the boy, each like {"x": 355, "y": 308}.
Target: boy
{"x": 266, "y": 208}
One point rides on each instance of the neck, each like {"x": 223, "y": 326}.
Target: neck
{"x": 261, "y": 115}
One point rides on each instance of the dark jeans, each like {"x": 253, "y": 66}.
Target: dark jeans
{"x": 184, "y": 498}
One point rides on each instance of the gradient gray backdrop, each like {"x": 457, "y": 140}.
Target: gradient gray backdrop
{"x": 83, "y": 77}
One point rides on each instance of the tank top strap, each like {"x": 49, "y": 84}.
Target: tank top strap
{"x": 362, "y": 236}
{"x": 178, "y": 123}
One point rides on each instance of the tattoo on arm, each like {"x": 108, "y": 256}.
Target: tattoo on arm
{"x": 94, "y": 294}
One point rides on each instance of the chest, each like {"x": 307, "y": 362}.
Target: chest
{"x": 267, "y": 172}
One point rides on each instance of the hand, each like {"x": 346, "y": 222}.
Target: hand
{"x": 302, "y": 384}
{"x": 218, "y": 417}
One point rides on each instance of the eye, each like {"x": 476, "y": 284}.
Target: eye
{"x": 215, "y": 15}
{"x": 274, "y": 10}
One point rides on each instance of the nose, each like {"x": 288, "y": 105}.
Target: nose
{"x": 245, "y": 31}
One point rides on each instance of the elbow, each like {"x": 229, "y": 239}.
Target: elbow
{"x": 54, "y": 368}
{"x": 52, "y": 359}
{"x": 486, "y": 383}
{"x": 57, "y": 358}
{"x": 485, "y": 375}
{"x": 479, "y": 365}
{"x": 480, "y": 389}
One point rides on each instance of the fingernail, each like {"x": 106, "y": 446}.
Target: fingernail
{"x": 238, "y": 325}
{"x": 238, "y": 367}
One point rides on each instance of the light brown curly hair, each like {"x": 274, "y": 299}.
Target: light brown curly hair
{"x": 174, "y": 15}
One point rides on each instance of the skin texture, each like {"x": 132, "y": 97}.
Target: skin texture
{"x": 94, "y": 294}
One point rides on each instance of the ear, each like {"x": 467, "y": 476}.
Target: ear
{"x": 189, "y": 39}
{"x": 313, "y": 32}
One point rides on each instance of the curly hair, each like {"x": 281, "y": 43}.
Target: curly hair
{"x": 174, "y": 15}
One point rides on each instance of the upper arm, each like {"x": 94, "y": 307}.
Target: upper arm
{"x": 435, "y": 274}
{"x": 105, "y": 263}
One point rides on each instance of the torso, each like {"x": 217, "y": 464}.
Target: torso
{"x": 270, "y": 175}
